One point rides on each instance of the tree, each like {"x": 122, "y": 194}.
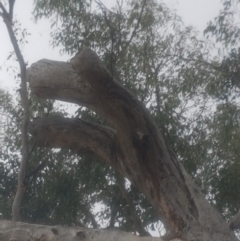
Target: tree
{"x": 139, "y": 137}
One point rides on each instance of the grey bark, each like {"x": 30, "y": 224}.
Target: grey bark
{"x": 134, "y": 145}
{"x": 21, "y": 187}
{"x": 16, "y": 231}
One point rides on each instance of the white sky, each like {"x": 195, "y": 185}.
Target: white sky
{"x": 193, "y": 12}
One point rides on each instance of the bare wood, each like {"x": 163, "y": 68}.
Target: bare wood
{"x": 22, "y": 232}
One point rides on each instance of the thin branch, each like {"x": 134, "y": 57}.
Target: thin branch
{"x": 136, "y": 27}
{"x": 91, "y": 217}
{"x": 16, "y": 207}
{"x": 38, "y": 168}
{"x": 113, "y": 216}
{"x": 204, "y": 62}
{"x": 4, "y": 13}
{"x": 31, "y": 151}
{"x": 112, "y": 30}
{"x": 137, "y": 221}
{"x": 11, "y": 6}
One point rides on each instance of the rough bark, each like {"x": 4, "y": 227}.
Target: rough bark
{"x": 134, "y": 146}
{"x": 28, "y": 232}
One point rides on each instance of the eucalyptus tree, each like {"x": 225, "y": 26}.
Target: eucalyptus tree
{"x": 224, "y": 126}
{"x": 141, "y": 42}
{"x": 146, "y": 48}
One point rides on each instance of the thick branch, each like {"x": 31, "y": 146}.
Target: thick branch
{"x": 78, "y": 135}
{"x": 136, "y": 27}
{"x": 91, "y": 217}
{"x": 58, "y": 80}
{"x": 23, "y": 232}
{"x": 11, "y": 5}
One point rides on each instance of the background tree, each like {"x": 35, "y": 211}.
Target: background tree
{"x": 7, "y": 17}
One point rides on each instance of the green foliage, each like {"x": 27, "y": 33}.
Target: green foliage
{"x": 224, "y": 27}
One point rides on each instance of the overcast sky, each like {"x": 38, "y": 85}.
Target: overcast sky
{"x": 193, "y": 12}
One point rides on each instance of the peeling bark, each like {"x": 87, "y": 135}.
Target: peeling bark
{"x": 135, "y": 147}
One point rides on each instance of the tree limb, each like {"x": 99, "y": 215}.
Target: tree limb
{"x": 136, "y": 27}
{"x": 16, "y": 207}
{"x": 76, "y": 134}
{"x": 137, "y": 221}
{"x": 11, "y": 5}
{"x": 4, "y": 11}
{"x": 23, "y": 231}
{"x": 38, "y": 168}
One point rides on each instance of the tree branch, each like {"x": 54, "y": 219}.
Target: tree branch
{"x": 113, "y": 214}
{"x": 4, "y": 11}
{"x": 82, "y": 136}
{"x": 38, "y": 168}
{"x": 16, "y": 207}
{"x": 137, "y": 221}
{"x": 23, "y": 231}
{"x": 91, "y": 217}
{"x": 136, "y": 27}
{"x": 11, "y": 5}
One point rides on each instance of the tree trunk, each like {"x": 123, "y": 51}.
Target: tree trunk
{"x": 133, "y": 145}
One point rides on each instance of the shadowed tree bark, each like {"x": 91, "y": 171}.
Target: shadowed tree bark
{"x": 134, "y": 146}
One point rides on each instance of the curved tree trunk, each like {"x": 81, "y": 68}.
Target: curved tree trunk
{"x": 133, "y": 145}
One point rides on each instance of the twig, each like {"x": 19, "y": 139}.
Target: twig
{"x": 136, "y": 27}
{"x": 137, "y": 221}
{"x": 38, "y": 168}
